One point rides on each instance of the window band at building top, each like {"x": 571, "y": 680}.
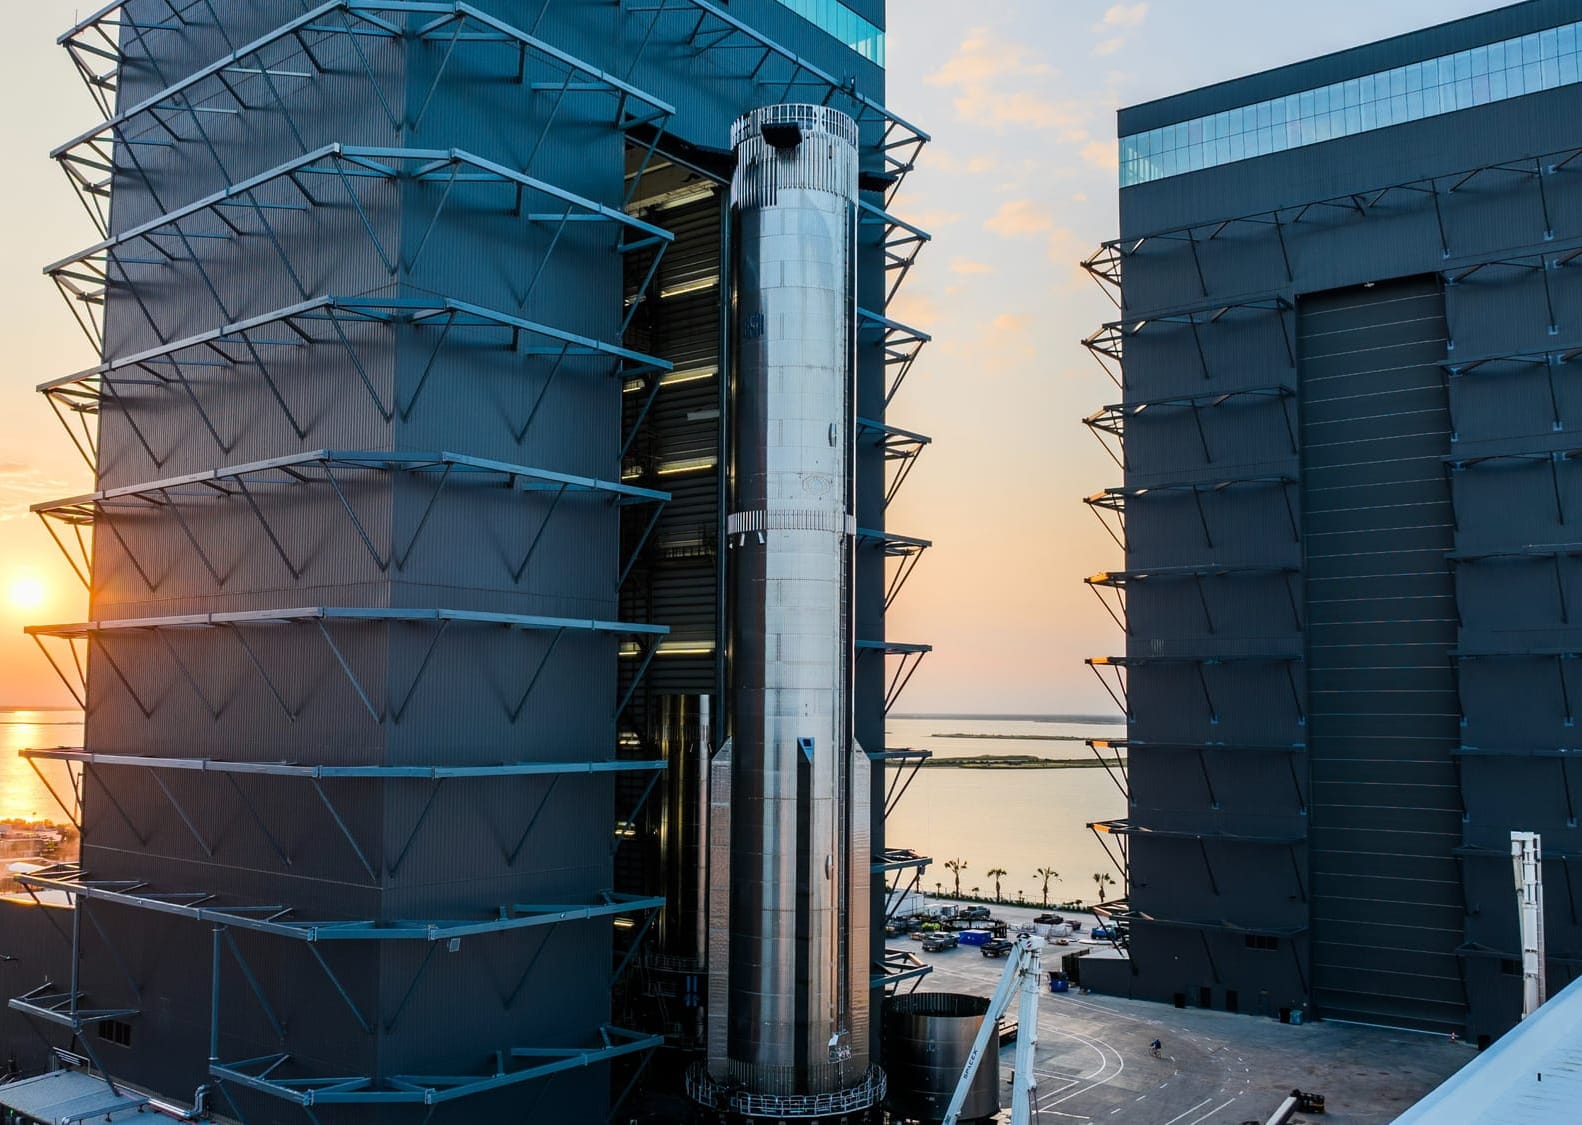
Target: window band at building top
{"x": 1510, "y": 68}
{"x": 835, "y": 18}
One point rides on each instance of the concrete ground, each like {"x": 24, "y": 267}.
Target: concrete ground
{"x": 1216, "y": 1068}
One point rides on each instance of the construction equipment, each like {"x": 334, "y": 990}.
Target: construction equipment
{"x": 1021, "y": 973}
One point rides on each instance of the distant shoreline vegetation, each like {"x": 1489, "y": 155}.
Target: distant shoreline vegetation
{"x": 1014, "y": 737}
{"x": 1021, "y": 762}
{"x": 1110, "y": 720}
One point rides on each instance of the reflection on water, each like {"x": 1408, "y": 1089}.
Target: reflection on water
{"x": 23, "y": 796}
{"x": 1020, "y": 820}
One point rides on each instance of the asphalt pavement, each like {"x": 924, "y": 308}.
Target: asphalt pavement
{"x": 1093, "y": 1061}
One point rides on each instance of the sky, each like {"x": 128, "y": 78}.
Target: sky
{"x": 1018, "y": 185}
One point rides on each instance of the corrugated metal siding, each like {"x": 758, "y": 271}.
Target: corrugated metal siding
{"x": 1381, "y": 623}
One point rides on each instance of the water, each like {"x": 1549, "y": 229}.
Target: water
{"x": 1018, "y": 819}
{"x": 22, "y": 795}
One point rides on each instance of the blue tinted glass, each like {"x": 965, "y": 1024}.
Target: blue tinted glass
{"x": 1541, "y": 61}
{"x": 839, "y": 21}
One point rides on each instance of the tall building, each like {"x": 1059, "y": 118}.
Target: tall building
{"x": 407, "y": 556}
{"x": 1348, "y": 309}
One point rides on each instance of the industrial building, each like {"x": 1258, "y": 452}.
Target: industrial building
{"x": 1348, "y": 310}
{"x": 411, "y": 558}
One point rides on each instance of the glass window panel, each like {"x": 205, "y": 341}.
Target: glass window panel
{"x": 1540, "y": 61}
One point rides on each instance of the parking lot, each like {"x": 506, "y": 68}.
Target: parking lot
{"x": 1093, "y": 1062}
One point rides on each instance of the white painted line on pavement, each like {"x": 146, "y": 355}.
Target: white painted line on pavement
{"x": 1209, "y": 1114}
{"x": 1194, "y": 1109}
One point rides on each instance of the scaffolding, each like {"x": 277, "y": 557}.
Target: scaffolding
{"x": 245, "y": 202}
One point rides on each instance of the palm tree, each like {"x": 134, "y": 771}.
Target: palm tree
{"x": 1046, "y": 874}
{"x": 996, "y": 873}
{"x": 1101, "y": 878}
{"x": 957, "y": 866}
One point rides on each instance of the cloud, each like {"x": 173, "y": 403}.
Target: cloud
{"x": 999, "y": 84}
{"x": 967, "y": 266}
{"x": 1101, "y": 154}
{"x": 1123, "y": 15}
{"x": 932, "y": 219}
{"x": 1109, "y": 46}
{"x": 1018, "y": 217}
{"x": 981, "y": 57}
{"x": 914, "y": 308}
{"x": 22, "y": 485}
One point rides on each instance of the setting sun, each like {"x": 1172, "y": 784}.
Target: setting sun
{"x": 25, "y": 592}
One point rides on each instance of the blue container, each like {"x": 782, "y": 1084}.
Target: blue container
{"x": 974, "y": 937}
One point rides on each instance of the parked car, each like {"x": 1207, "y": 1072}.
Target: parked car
{"x": 1048, "y": 920}
{"x": 999, "y": 947}
{"x": 975, "y": 912}
{"x": 1104, "y": 933}
{"x": 938, "y": 943}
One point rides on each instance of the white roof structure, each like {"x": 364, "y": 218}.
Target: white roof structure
{"x": 65, "y": 1097}
{"x": 1532, "y": 1073}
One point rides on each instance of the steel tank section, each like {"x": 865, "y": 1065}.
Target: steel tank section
{"x": 789, "y": 938}
{"x": 928, "y": 1037}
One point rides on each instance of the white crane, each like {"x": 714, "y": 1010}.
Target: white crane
{"x": 1527, "y": 859}
{"x": 1021, "y": 969}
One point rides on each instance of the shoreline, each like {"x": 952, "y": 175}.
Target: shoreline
{"x": 1021, "y": 762}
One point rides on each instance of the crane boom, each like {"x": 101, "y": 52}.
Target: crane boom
{"x": 1021, "y": 975}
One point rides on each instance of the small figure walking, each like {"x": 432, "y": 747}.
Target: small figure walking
{"x": 1155, "y": 1048}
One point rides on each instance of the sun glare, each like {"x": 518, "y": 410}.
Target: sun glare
{"x": 26, "y": 592}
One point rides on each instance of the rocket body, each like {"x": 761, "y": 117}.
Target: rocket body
{"x": 799, "y": 857}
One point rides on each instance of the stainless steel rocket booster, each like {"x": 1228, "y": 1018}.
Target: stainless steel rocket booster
{"x": 790, "y": 854}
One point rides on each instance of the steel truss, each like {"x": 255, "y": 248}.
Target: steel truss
{"x": 1121, "y": 666}
{"x": 1548, "y": 361}
{"x": 279, "y": 920}
{"x": 911, "y": 656}
{"x": 901, "y": 449}
{"x": 433, "y": 777}
{"x": 274, "y": 1075}
{"x": 901, "y": 240}
{"x": 1109, "y": 342}
{"x": 258, "y": 76}
{"x": 902, "y": 547}
{"x": 391, "y": 709}
{"x": 1116, "y": 500}
{"x": 1560, "y": 757}
{"x": 1544, "y": 265}
{"x": 1121, "y": 581}
{"x": 1555, "y": 555}
{"x": 85, "y": 278}
{"x": 1551, "y": 458}
{"x": 898, "y": 967}
{"x": 1112, "y": 419}
{"x": 1561, "y": 655}
{"x": 1123, "y": 912}
{"x": 702, "y": 27}
{"x": 514, "y": 1066}
{"x": 239, "y": 482}
{"x": 1107, "y": 264}
{"x": 901, "y": 345}
{"x": 902, "y": 779}
{"x": 1120, "y": 773}
{"x": 322, "y": 321}
{"x": 899, "y": 859}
